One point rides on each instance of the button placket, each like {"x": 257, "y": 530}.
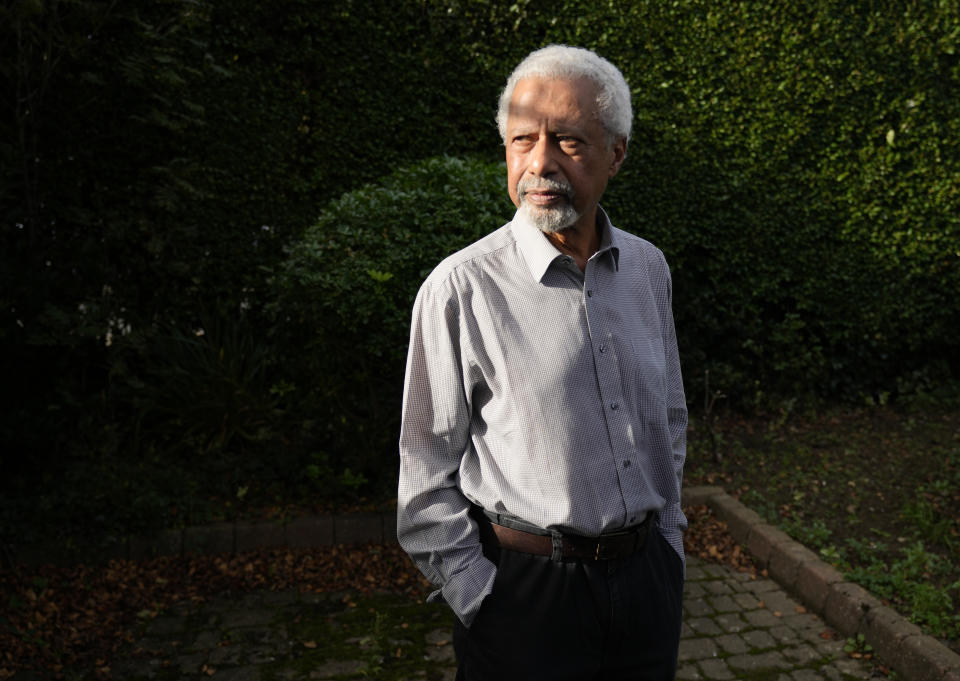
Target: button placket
{"x": 609, "y": 381}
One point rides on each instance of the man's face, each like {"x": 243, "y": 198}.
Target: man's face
{"x": 558, "y": 156}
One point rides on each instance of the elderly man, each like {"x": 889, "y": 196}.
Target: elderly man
{"x": 543, "y": 433}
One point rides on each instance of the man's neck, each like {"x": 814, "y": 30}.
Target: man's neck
{"x": 580, "y": 241}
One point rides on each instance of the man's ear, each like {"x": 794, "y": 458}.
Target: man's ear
{"x": 619, "y": 154}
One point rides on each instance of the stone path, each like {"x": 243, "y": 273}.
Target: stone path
{"x": 734, "y": 627}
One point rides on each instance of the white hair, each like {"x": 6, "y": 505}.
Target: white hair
{"x": 571, "y": 63}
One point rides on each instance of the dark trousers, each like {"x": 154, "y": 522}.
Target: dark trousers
{"x": 578, "y": 620}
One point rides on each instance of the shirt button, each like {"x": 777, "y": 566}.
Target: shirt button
{"x": 614, "y": 406}
{"x": 632, "y": 519}
{"x": 626, "y": 464}
{"x": 603, "y": 348}
{"x": 590, "y": 293}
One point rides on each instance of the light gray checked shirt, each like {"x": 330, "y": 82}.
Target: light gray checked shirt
{"x": 540, "y": 392}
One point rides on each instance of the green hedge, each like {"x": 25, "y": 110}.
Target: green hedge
{"x": 797, "y": 162}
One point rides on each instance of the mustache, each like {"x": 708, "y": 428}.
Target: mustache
{"x": 528, "y": 184}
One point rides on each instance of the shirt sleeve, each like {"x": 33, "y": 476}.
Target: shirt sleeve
{"x": 672, "y": 520}
{"x": 433, "y": 522}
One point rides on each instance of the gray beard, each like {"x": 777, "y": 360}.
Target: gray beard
{"x": 550, "y": 220}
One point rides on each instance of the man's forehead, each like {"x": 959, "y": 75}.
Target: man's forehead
{"x": 536, "y": 97}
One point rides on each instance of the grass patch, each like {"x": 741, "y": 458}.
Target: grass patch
{"x": 874, "y": 490}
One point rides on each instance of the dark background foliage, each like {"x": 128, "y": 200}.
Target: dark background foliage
{"x": 179, "y": 327}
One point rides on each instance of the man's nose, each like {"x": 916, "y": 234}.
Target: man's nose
{"x": 543, "y": 160}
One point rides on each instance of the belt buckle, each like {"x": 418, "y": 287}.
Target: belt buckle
{"x": 599, "y": 553}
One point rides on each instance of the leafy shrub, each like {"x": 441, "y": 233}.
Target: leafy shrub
{"x": 87, "y": 505}
{"x": 345, "y": 292}
{"x": 205, "y": 391}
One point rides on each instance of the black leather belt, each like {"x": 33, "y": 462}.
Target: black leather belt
{"x": 605, "y": 547}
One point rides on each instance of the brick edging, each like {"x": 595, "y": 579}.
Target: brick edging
{"x": 845, "y": 606}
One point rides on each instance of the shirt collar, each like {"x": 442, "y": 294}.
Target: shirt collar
{"x": 539, "y": 253}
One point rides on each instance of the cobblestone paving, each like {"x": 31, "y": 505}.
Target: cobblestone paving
{"x": 734, "y": 628}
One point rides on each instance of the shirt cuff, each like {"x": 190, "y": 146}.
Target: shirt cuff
{"x": 465, "y": 591}
{"x": 672, "y": 524}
